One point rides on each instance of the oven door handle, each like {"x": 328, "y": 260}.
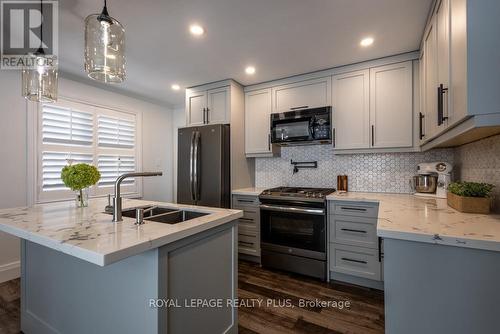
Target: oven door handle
{"x": 308, "y": 211}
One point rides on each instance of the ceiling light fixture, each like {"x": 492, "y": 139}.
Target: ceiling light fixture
{"x": 366, "y": 41}
{"x": 196, "y": 30}
{"x": 176, "y": 87}
{"x": 104, "y": 48}
{"x": 250, "y": 70}
{"x": 39, "y": 80}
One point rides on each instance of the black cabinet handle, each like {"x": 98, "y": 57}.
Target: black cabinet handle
{"x": 302, "y": 107}
{"x": 269, "y": 142}
{"x": 352, "y": 209}
{"x": 204, "y": 120}
{"x": 421, "y": 125}
{"x": 334, "y": 137}
{"x": 441, "y": 91}
{"x": 351, "y": 260}
{"x": 246, "y": 219}
{"x": 207, "y": 110}
{"x": 373, "y": 135}
{"x": 351, "y": 230}
{"x": 380, "y": 249}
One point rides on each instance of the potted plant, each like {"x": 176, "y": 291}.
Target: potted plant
{"x": 79, "y": 178}
{"x": 471, "y": 197}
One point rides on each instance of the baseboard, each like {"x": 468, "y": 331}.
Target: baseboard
{"x": 9, "y": 271}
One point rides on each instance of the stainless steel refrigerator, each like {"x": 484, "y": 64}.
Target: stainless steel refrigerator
{"x": 203, "y": 170}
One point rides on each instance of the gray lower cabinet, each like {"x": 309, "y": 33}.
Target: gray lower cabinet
{"x": 150, "y": 293}
{"x": 354, "y": 248}
{"x": 248, "y": 226}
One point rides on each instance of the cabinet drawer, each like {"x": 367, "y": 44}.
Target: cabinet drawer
{"x": 250, "y": 203}
{"x": 356, "y": 231}
{"x": 356, "y": 209}
{"x": 248, "y": 242}
{"x": 355, "y": 261}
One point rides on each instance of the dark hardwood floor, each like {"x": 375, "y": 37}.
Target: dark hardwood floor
{"x": 10, "y": 294}
{"x": 365, "y": 314}
{"x": 280, "y": 311}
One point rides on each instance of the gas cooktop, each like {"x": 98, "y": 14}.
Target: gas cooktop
{"x": 296, "y": 192}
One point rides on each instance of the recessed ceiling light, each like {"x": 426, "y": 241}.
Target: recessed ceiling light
{"x": 196, "y": 30}
{"x": 176, "y": 87}
{"x": 250, "y": 70}
{"x": 366, "y": 41}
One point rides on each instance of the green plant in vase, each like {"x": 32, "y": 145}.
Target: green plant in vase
{"x": 79, "y": 177}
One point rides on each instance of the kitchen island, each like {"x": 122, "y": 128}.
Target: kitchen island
{"x": 82, "y": 273}
{"x": 440, "y": 266}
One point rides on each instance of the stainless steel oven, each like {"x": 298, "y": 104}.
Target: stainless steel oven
{"x": 302, "y": 127}
{"x": 294, "y": 234}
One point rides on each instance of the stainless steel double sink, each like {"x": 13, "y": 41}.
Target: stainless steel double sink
{"x": 163, "y": 215}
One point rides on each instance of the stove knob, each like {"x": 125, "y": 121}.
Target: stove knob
{"x": 320, "y": 195}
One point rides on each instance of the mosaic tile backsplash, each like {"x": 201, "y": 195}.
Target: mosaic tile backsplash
{"x": 480, "y": 162}
{"x": 387, "y": 172}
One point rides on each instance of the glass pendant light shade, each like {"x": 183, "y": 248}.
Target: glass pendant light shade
{"x": 104, "y": 48}
{"x": 40, "y": 81}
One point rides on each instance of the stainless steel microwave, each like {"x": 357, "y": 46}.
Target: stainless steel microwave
{"x": 302, "y": 127}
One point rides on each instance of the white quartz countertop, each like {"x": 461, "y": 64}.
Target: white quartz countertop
{"x": 255, "y": 191}
{"x": 430, "y": 220}
{"x": 90, "y": 234}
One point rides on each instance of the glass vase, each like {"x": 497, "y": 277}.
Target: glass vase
{"x": 82, "y": 198}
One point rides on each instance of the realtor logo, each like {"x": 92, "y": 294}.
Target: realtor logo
{"x": 27, "y": 26}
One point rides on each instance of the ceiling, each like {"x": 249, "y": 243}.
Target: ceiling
{"x": 279, "y": 37}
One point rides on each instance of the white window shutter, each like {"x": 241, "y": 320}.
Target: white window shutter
{"x": 52, "y": 164}
{"x": 112, "y": 166}
{"x": 115, "y": 132}
{"x": 66, "y": 126}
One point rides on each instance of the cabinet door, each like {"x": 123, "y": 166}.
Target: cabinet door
{"x": 351, "y": 96}
{"x": 443, "y": 53}
{"x": 458, "y": 61}
{"x": 196, "y": 102}
{"x": 257, "y": 121}
{"x": 391, "y": 105}
{"x": 430, "y": 84}
{"x": 218, "y": 105}
{"x": 301, "y": 95}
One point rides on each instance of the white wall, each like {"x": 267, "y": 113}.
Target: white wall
{"x": 13, "y": 165}
{"x": 157, "y": 149}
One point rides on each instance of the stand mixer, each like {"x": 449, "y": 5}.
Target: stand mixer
{"x": 433, "y": 179}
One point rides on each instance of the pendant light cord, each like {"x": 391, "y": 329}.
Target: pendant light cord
{"x": 40, "y": 48}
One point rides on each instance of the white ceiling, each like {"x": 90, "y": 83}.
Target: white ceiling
{"x": 279, "y": 37}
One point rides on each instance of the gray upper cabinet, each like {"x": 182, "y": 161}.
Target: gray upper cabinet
{"x": 351, "y": 109}
{"x": 258, "y": 106}
{"x": 302, "y": 95}
{"x": 461, "y": 100}
{"x": 373, "y": 108}
{"x": 208, "y": 106}
{"x": 195, "y": 108}
{"x": 391, "y": 106}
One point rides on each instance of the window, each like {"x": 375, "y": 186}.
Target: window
{"x": 76, "y": 132}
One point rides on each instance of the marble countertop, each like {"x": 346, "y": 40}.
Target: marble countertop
{"x": 90, "y": 234}
{"x": 255, "y": 191}
{"x": 430, "y": 220}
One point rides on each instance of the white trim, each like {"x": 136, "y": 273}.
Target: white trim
{"x": 33, "y": 149}
{"x": 10, "y": 271}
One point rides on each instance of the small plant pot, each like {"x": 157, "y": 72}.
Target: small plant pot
{"x": 469, "y": 204}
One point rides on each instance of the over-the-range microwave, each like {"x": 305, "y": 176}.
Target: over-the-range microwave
{"x": 302, "y": 127}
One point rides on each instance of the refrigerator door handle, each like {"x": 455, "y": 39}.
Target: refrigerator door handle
{"x": 196, "y": 163}
{"x": 191, "y": 167}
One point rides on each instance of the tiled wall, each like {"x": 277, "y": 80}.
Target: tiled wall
{"x": 388, "y": 172}
{"x": 480, "y": 162}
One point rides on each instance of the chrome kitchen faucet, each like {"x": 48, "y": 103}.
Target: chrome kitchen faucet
{"x": 117, "y": 200}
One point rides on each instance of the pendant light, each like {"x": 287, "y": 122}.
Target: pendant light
{"x": 104, "y": 48}
{"x": 39, "y": 80}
